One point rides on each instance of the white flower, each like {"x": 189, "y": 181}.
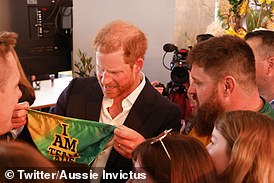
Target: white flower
{"x": 224, "y": 7}
{"x": 270, "y": 23}
{"x": 260, "y": 28}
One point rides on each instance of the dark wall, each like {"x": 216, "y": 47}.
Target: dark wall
{"x": 45, "y": 34}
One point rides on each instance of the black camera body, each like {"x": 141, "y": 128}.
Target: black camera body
{"x": 179, "y": 68}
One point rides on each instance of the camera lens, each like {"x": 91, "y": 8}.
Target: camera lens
{"x": 179, "y": 75}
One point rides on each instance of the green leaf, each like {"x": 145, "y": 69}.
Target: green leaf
{"x": 84, "y": 65}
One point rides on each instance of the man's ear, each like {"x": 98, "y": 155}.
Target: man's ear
{"x": 270, "y": 65}
{"x": 228, "y": 85}
{"x": 138, "y": 65}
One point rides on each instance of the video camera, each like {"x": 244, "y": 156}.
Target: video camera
{"x": 178, "y": 66}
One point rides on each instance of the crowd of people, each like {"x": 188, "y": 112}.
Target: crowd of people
{"x": 231, "y": 127}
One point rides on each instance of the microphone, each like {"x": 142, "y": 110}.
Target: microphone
{"x": 169, "y": 47}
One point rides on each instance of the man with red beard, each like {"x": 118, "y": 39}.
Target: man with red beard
{"x": 120, "y": 95}
{"x": 222, "y": 79}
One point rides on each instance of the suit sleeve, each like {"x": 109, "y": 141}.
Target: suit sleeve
{"x": 174, "y": 118}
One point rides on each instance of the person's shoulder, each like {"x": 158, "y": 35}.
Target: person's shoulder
{"x": 270, "y": 113}
{"x": 163, "y": 101}
{"x": 85, "y": 79}
{"x": 84, "y": 82}
{"x": 150, "y": 91}
{"x": 267, "y": 109}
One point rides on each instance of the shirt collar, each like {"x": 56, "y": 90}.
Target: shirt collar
{"x": 133, "y": 96}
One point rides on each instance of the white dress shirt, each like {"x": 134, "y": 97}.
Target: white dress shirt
{"x": 105, "y": 117}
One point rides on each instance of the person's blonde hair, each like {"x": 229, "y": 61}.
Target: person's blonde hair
{"x": 120, "y": 35}
{"x": 250, "y": 145}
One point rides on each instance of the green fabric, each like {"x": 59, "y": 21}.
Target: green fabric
{"x": 68, "y": 139}
{"x": 267, "y": 109}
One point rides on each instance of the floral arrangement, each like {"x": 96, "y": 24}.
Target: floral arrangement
{"x": 262, "y": 17}
{"x": 237, "y": 17}
{"x": 84, "y": 66}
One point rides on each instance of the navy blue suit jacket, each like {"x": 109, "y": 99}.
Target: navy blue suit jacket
{"x": 150, "y": 115}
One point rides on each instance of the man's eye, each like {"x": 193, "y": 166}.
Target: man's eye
{"x": 114, "y": 72}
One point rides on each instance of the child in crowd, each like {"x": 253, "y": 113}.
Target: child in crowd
{"x": 173, "y": 158}
{"x": 242, "y": 147}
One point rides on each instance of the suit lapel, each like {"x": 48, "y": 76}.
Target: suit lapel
{"x": 94, "y": 104}
{"x": 137, "y": 115}
{"x": 139, "y": 112}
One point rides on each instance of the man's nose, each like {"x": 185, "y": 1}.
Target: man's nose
{"x": 191, "y": 89}
{"x": 105, "y": 78}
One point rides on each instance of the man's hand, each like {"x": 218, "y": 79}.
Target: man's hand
{"x": 125, "y": 140}
{"x": 19, "y": 116}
